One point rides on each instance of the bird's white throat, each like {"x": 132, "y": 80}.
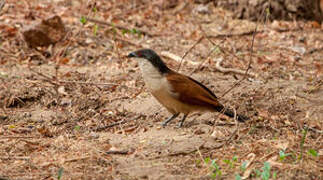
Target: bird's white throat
{"x": 153, "y": 78}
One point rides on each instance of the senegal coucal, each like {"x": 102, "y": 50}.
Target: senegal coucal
{"x": 176, "y": 92}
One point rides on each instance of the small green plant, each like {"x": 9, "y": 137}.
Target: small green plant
{"x": 60, "y": 173}
{"x": 94, "y": 9}
{"x": 95, "y": 29}
{"x": 238, "y": 177}
{"x": 131, "y": 31}
{"x": 214, "y": 168}
{"x": 274, "y": 175}
{"x": 258, "y": 173}
{"x": 77, "y": 127}
{"x": 83, "y": 20}
{"x": 283, "y": 155}
{"x": 244, "y": 166}
{"x": 264, "y": 174}
{"x": 231, "y": 162}
{"x": 312, "y": 152}
{"x": 304, "y": 132}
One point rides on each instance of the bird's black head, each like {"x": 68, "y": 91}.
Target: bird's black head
{"x": 152, "y": 57}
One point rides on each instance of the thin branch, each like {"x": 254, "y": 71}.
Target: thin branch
{"x": 175, "y": 57}
{"x": 89, "y": 83}
{"x": 248, "y": 33}
{"x": 17, "y": 137}
{"x": 230, "y": 70}
{"x": 122, "y": 152}
{"x": 2, "y": 3}
{"x": 249, "y": 64}
{"x": 128, "y": 42}
{"x": 120, "y": 27}
{"x": 110, "y": 125}
{"x": 185, "y": 54}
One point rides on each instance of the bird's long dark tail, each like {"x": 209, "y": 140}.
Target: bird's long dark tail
{"x": 230, "y": 113}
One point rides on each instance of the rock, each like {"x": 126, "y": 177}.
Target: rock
{"x": 48, "y": 31}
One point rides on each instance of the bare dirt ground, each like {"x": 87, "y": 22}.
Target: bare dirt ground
{"x": 79, "y": 109}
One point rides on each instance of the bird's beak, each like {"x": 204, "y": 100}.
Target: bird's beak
{"x": 133, "y": 54}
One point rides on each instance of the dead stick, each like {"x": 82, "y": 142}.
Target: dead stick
{"x": 16, "y": 137}
{"x": 228, "y": 70}
{"x": 185, "y": 54}
{"x": 95, "y": 83}
{"x": 120, "y": 27}
{"x": 249, "y": 64}
{"x": 117, "y": 152}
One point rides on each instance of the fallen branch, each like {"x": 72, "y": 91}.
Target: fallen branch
{"x": 17, "y": 137}
{"x": 2, "y": 3}
{"x": 129, "y": 42}
{"x": 175, "y": 57}
{"x": 185, "y": 54}
{"x": 15, "y": 157}
{"x": 248, "y": 33}
{"x": 120, "y": 27}
{"x": 123, "y": 152}
{"x": 90, "y": 83}
{"x": 110, "y": 125}
{"x": 76, "y": 159}
{"x": 230, "y": 70}
{"x": 56, "y": 82}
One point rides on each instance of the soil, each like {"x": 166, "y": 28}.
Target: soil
{"x": 79, "y": 109}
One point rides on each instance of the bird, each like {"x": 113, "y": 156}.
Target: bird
{"x": 178, "y": 93}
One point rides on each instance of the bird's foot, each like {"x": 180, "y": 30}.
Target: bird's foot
{"x": 164, "y": 124}
{"x": 180, "y": 124}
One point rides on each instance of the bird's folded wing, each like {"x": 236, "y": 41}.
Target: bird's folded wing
{"x": 191, "y": 92}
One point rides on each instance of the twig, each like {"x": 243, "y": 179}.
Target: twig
{"x": 52, "y": 81}
{"x": 209, "y": 54}
{"x": 248, "y": 33}
{"x": 128, "y": 41}
{"x": 230, "y": 70}
{"x": 111, "y": 125}
{"x": 175, "y": 57}
{"x": 2, "y": 3}
{"x": 185, "y": 54}
{"x": 89, "y": 83}
{"x": 232, "y": 134}
{"x": 47, "y": 78}
{"x": 120, "y": 27}
{"x": 76, "y": 159}
{"x": 17, "y": 137}
{"x": 314, "y": 50}
{"x": 318, "y": 101}
{"x": 314, "y": 130}
{"x": 180, "y": 8}
{"x": 249, "y": 64}
{"x": 96, "y": 84}
{"x": 14, "y": 157}
{"x": 123, "y": 152}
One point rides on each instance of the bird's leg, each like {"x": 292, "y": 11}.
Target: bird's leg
{"x": 180, "y": 124}
{"x": 169, "y": 119}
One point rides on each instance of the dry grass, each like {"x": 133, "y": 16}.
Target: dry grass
{"x": 64, "y": 107}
